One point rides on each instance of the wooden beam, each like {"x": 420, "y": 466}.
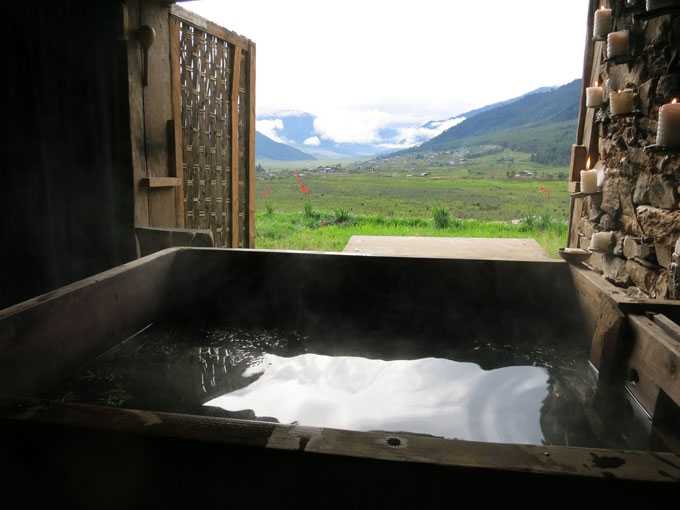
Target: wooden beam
{"x": 251, "y": 147}
{"x": 157, "y": 112}
{"x": 210, "y": 27}
{"x": 656, "y": 354}
{"x": 176, "y": 126}
{"x": 161, "y": 182}
{"x": 136, "y": 109}
{"x": 235, "y": 87}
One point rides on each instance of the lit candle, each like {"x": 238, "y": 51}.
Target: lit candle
{"x": 601, "y": 241}
{"x": 653, "y": 5}
{"x": 668, "y": 129}
{"x": 618, "y": 44}
{"x": 588, "y": 179}
{"x": 622, "y": 102}
{"x": 594, "y": 96}
{"x": 602, "y": 23}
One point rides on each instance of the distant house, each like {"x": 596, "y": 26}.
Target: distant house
{"x": 524, "y": 174}
{"x": 425, "y": 174}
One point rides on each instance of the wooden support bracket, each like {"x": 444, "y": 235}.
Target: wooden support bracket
{"x": 161, "y": 182}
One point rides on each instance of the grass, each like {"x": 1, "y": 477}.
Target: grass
{"x": 458, "y": 197}
{"x": 293, "y": 231}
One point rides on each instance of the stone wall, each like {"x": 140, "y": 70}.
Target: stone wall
{"x": 640, "y": 200}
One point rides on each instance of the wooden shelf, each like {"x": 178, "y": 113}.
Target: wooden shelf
{"x": 619, "y": 60}
{"x": 583, "y": 195}
{"x": 161, "y": 182}
{"x": 626, "y": 115}
{"x": 662, "y": 149}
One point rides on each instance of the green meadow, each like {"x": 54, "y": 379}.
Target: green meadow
{"x": 481, "y": 197}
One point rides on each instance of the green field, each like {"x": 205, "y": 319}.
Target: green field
{"x": 390, "y": 197}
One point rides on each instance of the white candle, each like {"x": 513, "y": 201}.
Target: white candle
{"x": 588, "y": 181}
{"x": 622, "y": 102}
{"x": 594, "y": 96}
{"x": 603, "y": 23}
{"x": 668, "y": 128}
{"x": 618, "y": 44}
{"x": 653, "y": 5}
{"x": 601, "y": 241}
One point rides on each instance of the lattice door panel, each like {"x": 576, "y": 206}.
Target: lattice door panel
{"x": 215, "y": 92}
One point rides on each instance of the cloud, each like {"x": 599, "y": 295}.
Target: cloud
{"x": 270, "y": 128}
{"x": 312, "y": 140}
{"x": 372, "y": 69}
{"x": 410, "y": 136}
{"x": 350, "y": 125}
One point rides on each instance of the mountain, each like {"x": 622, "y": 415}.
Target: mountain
{"x": 542, "y": 123}
{"x": 266, "y": 148}
{"x": 436, "y": 123}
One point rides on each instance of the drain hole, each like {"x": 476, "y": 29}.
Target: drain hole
{"x": 633, "y": 376}
{"x": 394, "y": 441}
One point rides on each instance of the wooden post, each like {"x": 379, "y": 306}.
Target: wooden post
{"x": 176, "y": 149}
{"x": 591, "y": 50}
{"x": 251, "y": 147}
{"x": 579, "y": 157}
{"x": 235, "y": 85}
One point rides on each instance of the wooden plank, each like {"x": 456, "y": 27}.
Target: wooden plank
{"x": 136, "y": 101}
{"x": 152, "y": 240}
{"x": 210, "y": 27}
{"x": 161, "y": 182}
{"x": 41, "y": 336}
{"x": 157, "y": 113}
{"x": 562, "y": 461}
{"x": 251, "y": 147}
{"x": 592, "y": 50}
{"x": 235, "y": 81}
{"x": 579, "y": 158}
{"x": 588, "y": 55}
{"x": 177, "y": 138}
{"x": 606, "y": 349}
{"x": 655, "y": 354}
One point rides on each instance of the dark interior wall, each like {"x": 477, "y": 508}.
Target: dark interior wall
{"x": 67, "y": 203}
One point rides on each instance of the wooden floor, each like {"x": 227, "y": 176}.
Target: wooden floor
{"x": 448, "y": 247}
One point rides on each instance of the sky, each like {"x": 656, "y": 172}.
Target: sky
{"x": 360, "y": 65}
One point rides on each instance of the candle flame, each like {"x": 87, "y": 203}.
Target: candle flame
{"x": 597, "y": 83}
{"x": 588, "y": 163}
{"x": 675, "y": 100}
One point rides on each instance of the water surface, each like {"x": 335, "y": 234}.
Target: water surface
{"x": 534, "y": 392}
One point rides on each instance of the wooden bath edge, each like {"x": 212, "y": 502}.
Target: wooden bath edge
{"x": 625, "y": 465}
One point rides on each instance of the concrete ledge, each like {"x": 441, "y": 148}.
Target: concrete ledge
{"x": 448, "y": 248}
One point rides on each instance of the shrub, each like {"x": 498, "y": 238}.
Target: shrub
{"x": 342, "y": 216}
{"x": 442, "y": 217}
{"x": 309, "y": 212}
{"x": 269, "y": 210}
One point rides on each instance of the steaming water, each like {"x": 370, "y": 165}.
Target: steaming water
{"x": 432, "y": 396}
{"x": 482, "y": 391}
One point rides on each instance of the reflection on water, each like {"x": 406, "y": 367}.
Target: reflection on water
{"x": 531, "y": 392}
{"x": 431, "y": 396}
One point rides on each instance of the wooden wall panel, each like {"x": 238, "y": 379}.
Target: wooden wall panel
{"x": 67, "y": 208}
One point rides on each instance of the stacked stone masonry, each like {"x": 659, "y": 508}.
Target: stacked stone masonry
{"x": 640, "y": 200}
